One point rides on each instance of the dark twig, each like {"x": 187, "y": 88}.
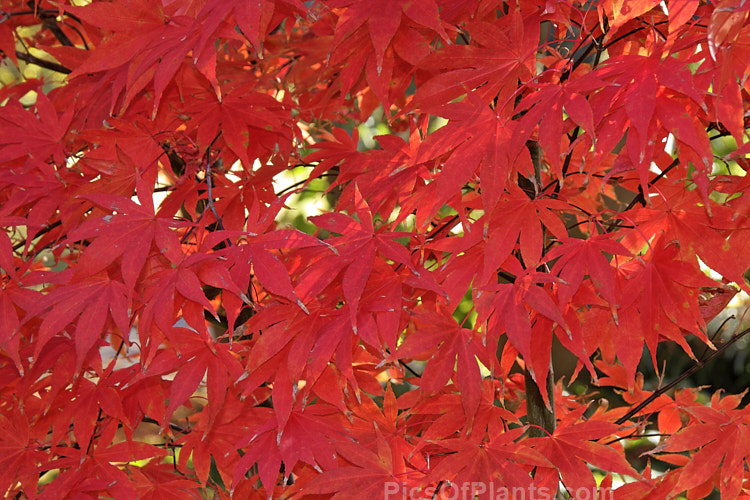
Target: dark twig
{"x": 209, "y": 185}
{"x": 405, "y": 365}
{"x": 640, "y": 197}
{"x": 53, "y": 66}
{"x": 39, "y": 233}
{"x": 698, "y": 365}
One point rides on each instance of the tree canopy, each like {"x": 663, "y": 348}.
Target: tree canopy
{"x": 337, "y": 248}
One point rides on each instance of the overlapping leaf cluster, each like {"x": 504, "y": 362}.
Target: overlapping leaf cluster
{"x": 572, "y": 193}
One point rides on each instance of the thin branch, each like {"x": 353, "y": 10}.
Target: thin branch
{"x": 698, "y": 365}
{"x": 83, "y": 39}
{"x": 595, "y": 43}
{"x": 209, "y": 184}
{"x": 640, "y": 197}
{"x": 410, "y": 369}
{"x": 629, "y": 33}
{"x": 718, "y": 331}
{"x": 52, "y": 66}
{"x": 635, "y": 435}
{"x": 303, "y": 181}
{"x": 41, "y": 232}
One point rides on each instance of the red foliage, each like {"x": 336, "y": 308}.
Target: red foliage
{"x": 551, "y": 168}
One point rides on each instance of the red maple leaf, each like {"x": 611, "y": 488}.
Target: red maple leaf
{"x": 573, "y": 445}
{"x": 495, "y": 460}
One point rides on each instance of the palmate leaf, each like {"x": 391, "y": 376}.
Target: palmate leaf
{"x": 506, "y": 308}
{"x": 15, "y": 301}
{"x": 254, "y": 20}
{"x": 573, "y": 444}
{"x": 497, "y": 461}
{"x": 37, "y": 135}
{"x": 382, "y": 24}
{"x": 475, "y": 134}
{"x": 86, "y": 303}
{"x": 698, "y": 230}
{"x": 455, "y": 346}
{"x": 577, "y": 258}
{"x": 130, "y": 233}
{"x": 366, "y": 34}
{"x": 368, "y": 472}
{"x": 155, "y": 481}
{"x": 240, "y": 113}
{"x": 304, "y": 436}
{"x": 148, "y": 46}
{"x": 654, "y": 88}
{"x": 662, "y": 298}
{"x": 720, "y": 437}
{"x": 19, "y": 455}
{"x": 505, "y": 47}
